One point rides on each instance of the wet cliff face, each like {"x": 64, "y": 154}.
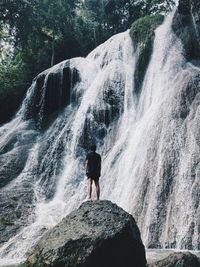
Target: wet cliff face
{"x": 195, "y": 10}
{"x": 67, "y": 107}
{"x": 52, "y": 91}
{"x": 186, "y": 26}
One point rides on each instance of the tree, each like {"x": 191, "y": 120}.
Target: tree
{"x": 152, "y": 7}
{"x": 36, "y": 25}
{"x": 32, "y": 30}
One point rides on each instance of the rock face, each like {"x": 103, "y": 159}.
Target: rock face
{"x": 178, "y": 259}
{"x": 186, "y": 27}
{"x": 98, "y": 234}
{"x": 16, "y": 201}
{"x": 195, "y": 8}
{"x": 52, "y": 91}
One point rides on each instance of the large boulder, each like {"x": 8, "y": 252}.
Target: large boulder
{"x": 178, "y": 259}
{"x": 98, "y": 234}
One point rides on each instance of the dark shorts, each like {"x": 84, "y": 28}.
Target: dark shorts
{"x": 93, "y": 176}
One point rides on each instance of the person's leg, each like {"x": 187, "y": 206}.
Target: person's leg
{"x": 97, "y": 189}
{"x": 89, "y": 188}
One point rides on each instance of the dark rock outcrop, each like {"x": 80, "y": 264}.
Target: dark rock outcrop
{"x": 98, "y": 234}
{"x": 195, "y": 9}
{"x": 178, "y": 259}
{"x": 52, "y": 91}
{"x": 186, "y": 26}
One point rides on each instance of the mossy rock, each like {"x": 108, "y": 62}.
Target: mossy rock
{"x": 5, "y": 222}
{"x": 143, "y": 28}
{"x": 142, "y": 35}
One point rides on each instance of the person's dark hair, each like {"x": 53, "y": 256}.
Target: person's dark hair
{"x": 93, "y": 148}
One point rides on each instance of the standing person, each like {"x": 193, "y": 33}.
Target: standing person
{"x": 93, "y": 171}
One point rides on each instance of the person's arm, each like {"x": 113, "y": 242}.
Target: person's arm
{"x": 99, "y": 165}
{"x": 86, "y": 163}
{"x": 86, "y": 166}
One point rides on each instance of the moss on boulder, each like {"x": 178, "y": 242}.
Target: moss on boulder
{"x": 143, "y": 29}
{"x": 142, "y": 35}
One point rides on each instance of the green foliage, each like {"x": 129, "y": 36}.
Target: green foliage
{"x": 142, "y": 29}
{"x": 119, "y": 14}
{"x": 4, "y": 222}
{"x": 11, "y": 77}
{"x": 43, "y": 32}
{"x": 111, "y": 16}
{"x": 152, "y": 7}
{"x": 37, "y": 26}
{"x": 142, "y": 32}
{"x": 13, "y": 85}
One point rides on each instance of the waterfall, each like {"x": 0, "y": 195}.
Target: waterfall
{"x": 149, "y": 142}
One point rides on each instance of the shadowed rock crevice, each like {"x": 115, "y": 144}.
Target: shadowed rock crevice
{"x": 53, "y": 90}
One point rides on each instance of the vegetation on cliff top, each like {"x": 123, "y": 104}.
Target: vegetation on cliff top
{"x": 142, "y": 29}
{"x": 142, "y": 34}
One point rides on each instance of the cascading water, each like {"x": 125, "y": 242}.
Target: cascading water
{"x": 149, "y": 142}
{"x": 56, "y": 156}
